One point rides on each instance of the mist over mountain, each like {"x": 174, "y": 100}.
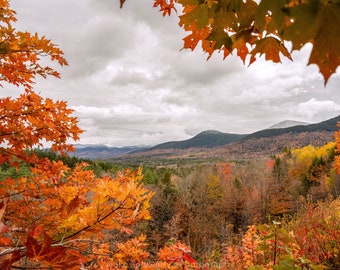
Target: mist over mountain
{"x": 287, "y": 124}
{"x": 103, "y": 151}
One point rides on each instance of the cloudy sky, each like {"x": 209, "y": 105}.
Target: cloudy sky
{"x": 130, "y": 83}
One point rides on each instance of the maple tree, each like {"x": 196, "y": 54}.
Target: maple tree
{"x": 30, "y": 120}
{"x": 54, "y": 216}
{"x": 58, "y": 217}
{"x": 267, "y": 27}
{"x": 21, "y": 52}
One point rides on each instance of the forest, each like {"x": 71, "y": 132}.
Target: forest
{"x": 60, "y": 212}
{"x": 280, "y": 212}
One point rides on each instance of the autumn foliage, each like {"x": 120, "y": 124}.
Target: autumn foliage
{"x": 21, "y": 52}
{"x": 254, "y": 28}
{"x": 30, "y": 120}
{"x": 311, "y": 241}
{"x": 54, "y": 216}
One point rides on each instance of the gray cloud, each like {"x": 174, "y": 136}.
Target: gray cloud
{"x": 130, "y": 83}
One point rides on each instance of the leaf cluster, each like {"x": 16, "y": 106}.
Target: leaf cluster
{"x": 21, "y": 52}
{"x": 255, "y": 28}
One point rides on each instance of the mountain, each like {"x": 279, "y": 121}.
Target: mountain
{"x": 214, "y": 144}
{"x": 102, "y": 151}
{"x": 273, "y": 141}
{"x": 205, "y": 139}
{"x": 287, "y": 124}
{"x": 325, "y": 126}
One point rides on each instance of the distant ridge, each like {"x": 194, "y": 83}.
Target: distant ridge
{"x": 325, "y": 126}
{"x": 288, "y": 123}
{"x": 102, "y": 151}
{"x": 205, "y": 139}
{"x": 261, "y": 143}
{"x": 212, "y": 143}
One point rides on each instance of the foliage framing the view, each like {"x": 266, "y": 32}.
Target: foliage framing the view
{"x": 55, "y": 216}
{"x": 267, "y": 27}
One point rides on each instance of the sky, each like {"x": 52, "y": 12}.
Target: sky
{"x": 130, "y": 82}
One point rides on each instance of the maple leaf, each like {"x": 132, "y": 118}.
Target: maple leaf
{"x": 188, "y": 258}
{"x": 199, "y": 16}
{"x": 304, "y": 26}
{"x": 74, "y": 203}
{"x": 220, "y": 38}
{"x": 7, "y": 260}
{"x": 38, "y": 251}
{"x": 240, "y": 41}
{"x": 319, "y": 24}
{"x": 246, "y": 14}
{"x": 2, "y": 209}
{"x": 165, "y": 6}
{"x": 196, "y": 36}
{"x": 326, "y": 49}
{"x": 53, "y": 255}
{"x": 122, "y": 3}
{"x": 30, "y": 119}
{"x": 3, "y": 227}
{"x": 272, "y": 48}
{"x": 277, "y": 17}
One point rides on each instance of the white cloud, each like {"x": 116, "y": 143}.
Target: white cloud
{"x": 313, "y": 107}
{"x": 130, "y": 82}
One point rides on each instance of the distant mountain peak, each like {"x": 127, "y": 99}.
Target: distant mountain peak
{"x": 210, "y": 132}
{"x": 288, "y": 123}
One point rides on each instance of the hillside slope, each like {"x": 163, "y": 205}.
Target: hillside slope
{"x": 205, "y": 139}
{"x": 261, "y": 143}
{"x": 325, "y": 126}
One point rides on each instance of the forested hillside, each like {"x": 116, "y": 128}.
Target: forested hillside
{"x": 205, "y": 139}
{"x": 277, "y": 211}
{"x": 219, "y": 213}
{"x": 235, "y": 146}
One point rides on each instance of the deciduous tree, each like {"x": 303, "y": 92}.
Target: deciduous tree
{"x": 56, "y": 217}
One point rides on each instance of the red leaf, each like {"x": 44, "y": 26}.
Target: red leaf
{"x": 7, "y": 260}
{"x": 53, "y": 255}
{"x": 188, "y": 258}
{"x": 35, "y": 250}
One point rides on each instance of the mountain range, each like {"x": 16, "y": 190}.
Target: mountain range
{"x": 211, "y": 143}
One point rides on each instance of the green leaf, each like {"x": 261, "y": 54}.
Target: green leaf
{"x": 286, "y": 264}
{"x": 275, "y": 8}
{"x": 318, "y": 24}
{"x": 304, "y": 26}
{"x": 187, "y": 3}
{"x": 224, "y": 20}
{"x": 221, "y": 38}
{"x": 326, "y": 49}
{"x": 284, "y": 236}
{"x": 199, "y": 16}
{"x": 229, "y": 5}
{"x": 235, "y": 5}
{"x": 318, "y": 267}
{"x": 246, "y": 15}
